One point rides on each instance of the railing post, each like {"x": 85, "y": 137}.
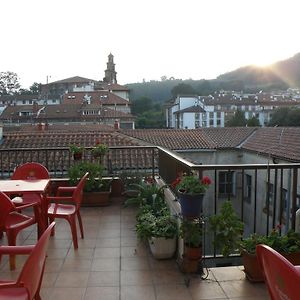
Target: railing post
{"x": 153, "y": 163}
{"x": 294, "y": 196}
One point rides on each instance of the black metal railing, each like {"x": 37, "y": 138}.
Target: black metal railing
{"x": 263, "y": 195}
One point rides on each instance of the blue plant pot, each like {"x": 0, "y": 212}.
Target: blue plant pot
{"x": 191, "y": 204}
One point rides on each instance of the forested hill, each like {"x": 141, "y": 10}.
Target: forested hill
{"x": 280, "y": 75}
{"x": 159, "y": 91}
{"x": 285, "y": 73}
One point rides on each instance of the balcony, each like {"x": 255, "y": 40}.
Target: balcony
{"x": 112, "y": 264}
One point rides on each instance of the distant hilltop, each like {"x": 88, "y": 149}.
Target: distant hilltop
{"x": 280, "y": 75}
{"x": 285, "y": 73}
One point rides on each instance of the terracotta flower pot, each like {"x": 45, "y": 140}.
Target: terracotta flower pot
{"x": 77, "y": 156}
{"x": 193, "y": 253}
{"x": 253, "y": 270}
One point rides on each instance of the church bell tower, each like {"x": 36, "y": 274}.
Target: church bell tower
{"x": 110, "y": 72}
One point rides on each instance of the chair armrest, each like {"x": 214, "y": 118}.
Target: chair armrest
{"x": 59, "y": 199}
{"x": 16, "y": 249}
{"x": 65, "y": 189}
{"x": 23, "y": 206}
{"x": 9, "y": 284}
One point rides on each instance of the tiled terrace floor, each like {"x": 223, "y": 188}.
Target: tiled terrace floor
{"x": 111, "y": 264}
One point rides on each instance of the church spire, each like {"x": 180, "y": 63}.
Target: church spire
{"x": 110, "y": 72}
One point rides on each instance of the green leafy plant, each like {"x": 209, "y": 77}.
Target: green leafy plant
{"x": 150, "y": 224}
{"x": 228, "y": 229}
{"x": 190, "y": 184}
{"x": 147, "y": 193}
{"x": 99, "y": 150}
{"x": 287, "y": 243}
{"x": 191, "y": 232}
{"x": 94, "y": 182}
{"x": 76, "y": 149}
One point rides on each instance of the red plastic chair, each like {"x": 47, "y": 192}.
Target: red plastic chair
{"x": 282, "y": 278}
{"x": 11, "y": 222}
{"x": 68, "y": 211}
{"x": 28, "y": 284}
{"x": 33, "y": 170}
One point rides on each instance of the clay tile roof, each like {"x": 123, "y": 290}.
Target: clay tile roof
{"x": 172, "y": 139}
{"x": 75, "y": 79}
{"x": 191, "y": 109}
{"x": 229, "y": 137}
{"x": 113, "y": 86}
{"x": 282, "y": 142}
{"x": 185, "y": 139}
{"x": 64, "y": 139}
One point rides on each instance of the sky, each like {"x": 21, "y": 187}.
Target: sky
{"x": 198, "y": 39}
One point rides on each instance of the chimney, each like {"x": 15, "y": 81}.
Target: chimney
{"x": 116, "y": 125}
{"x": 42, "y": 126}
{"x": 34, "y": 107}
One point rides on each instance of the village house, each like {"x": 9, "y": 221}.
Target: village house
{"x": 193, "y": 111}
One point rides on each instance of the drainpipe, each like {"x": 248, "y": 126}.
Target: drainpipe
{"x": 1, "y": 132}
{"x": 288, "y": 206}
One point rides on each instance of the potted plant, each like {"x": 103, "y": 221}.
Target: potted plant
{"x": 228, "y": 229}
{"x": 190, "y": 191}
{"x": 160, "y": 230}
{"x": 163, "y": 237}
{"x": 146, "y": 193}
{"x": 77, "y": 151}
{"x": 97, "y": 190}
{"x": 288, "y": 245}
{"x": 191, "y": 232}
{"x": 99, "y": 150}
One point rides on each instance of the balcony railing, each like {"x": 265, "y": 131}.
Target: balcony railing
{"x": 263, "y": 195}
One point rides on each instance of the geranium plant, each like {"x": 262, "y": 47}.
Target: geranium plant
{"x": 99, "y": 149}
{"x": 190, "y": 184}
{"x": 76, "y": 149}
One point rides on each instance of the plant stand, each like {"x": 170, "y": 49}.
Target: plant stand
{"x": 192, "y": 258}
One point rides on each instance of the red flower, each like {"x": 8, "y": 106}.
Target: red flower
{"x": 175, "y": 182}
{"x": 97, "y": 141}
{"x": 206, "y": 180}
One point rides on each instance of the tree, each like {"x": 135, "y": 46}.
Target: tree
{"x": 238, "y": 120}
{"x": 35, "y": 88}
{"x": 141, "y": 105}
{"x": 204, "y": 88}
{"x": 9, "y": 83}
{"x": 286, "y": 117}
{"x": 253, "y": 122}
{"x": 182, "y": 88}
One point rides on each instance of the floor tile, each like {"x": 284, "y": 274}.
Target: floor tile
{"x": 136, "y": 277}
{"x": 107, "y": 278}
{"x": 133, "y": 292}
{"x": 106, "y": 264}
{"x": 72, "y": 279}
{"x": 102, "y": 293}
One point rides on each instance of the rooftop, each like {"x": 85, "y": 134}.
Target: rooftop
{"x": 112, "y": 264}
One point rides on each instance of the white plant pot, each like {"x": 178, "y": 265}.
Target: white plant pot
{"x": 162, "y": 248}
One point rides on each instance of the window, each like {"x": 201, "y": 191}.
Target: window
{"x": 248, "y": 188}
{"x": 270, "y": 192}
{"x": 284, "y": 198}
{"x": 226, "y": 183}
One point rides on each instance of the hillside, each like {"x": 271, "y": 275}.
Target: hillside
{"x": 280, "y": 75}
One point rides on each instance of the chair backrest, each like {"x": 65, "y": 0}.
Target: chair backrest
{"x": 33, "y": 269}
{"x": 282, "y": 278}
{"x": 78, "y": 193}
{"x": 31, "y": 170}
{"x": 6, "y": 206}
